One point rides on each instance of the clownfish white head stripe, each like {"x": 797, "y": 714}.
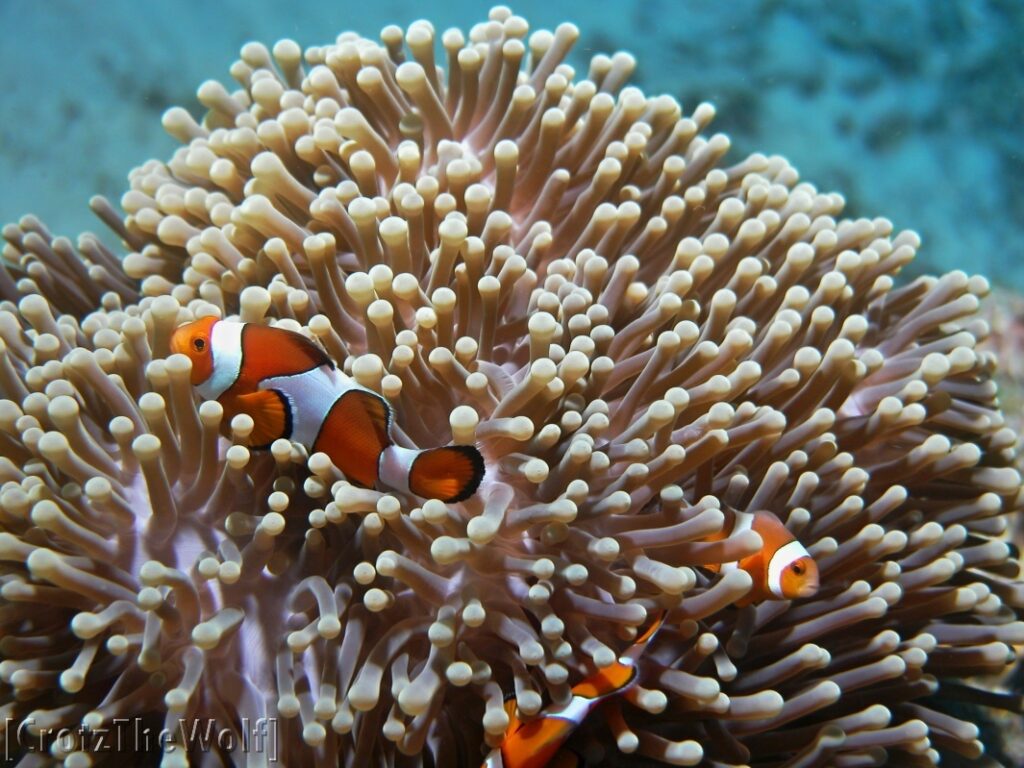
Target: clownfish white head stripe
{"x": 226, "y": 349}
{"x": 784, "y": 557}
{"x": 292, "y": 389}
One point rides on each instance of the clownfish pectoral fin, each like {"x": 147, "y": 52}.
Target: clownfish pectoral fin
{"x": 354, "y": 433}
{"x": 451, "y": 474}
{"x": 270, "y": 414}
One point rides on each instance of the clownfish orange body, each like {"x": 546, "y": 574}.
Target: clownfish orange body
{"x": 293, "y": 390}
{"x": 781, "y": 570}
{"x": 537, "y": 743}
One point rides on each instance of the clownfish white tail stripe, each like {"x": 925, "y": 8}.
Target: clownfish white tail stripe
{"x": 395, "y": 465}
{"x": 226, "y": 346}
{"x": 783, "y": 557}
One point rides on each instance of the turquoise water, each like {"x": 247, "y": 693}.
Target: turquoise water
{"x": 910, "y": 108}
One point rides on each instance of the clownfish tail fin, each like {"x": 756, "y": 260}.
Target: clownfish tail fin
{"x": 451, "y": 474}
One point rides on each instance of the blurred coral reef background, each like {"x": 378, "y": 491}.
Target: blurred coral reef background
{"x": 911, "y": 108}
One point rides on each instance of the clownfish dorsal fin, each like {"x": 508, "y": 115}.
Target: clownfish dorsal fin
{"x": 309, "y": 348}
{"x": 269, "y": 351}
{"x": 270, "y": 414}
{"x": 606, "y": 681}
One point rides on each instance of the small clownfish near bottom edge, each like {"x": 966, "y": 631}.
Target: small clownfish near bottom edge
{"x": 782, "y": 569}
{"x": 292, "y": 389}
{"x": 536, "y": 743}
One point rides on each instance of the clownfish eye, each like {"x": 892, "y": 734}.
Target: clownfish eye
{"x": 198, "y": 344}
{"x": 798, "y": 569}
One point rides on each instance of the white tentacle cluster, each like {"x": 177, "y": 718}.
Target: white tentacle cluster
{"x": 560, "y": 269}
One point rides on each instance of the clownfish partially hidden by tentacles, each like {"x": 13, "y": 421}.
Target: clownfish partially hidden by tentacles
{"x": 538, "y": 742}
{"x": 781, "y": 570}
{"x": 292, "y": 389}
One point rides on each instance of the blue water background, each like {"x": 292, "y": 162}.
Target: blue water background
{"x": 910, "y": 108}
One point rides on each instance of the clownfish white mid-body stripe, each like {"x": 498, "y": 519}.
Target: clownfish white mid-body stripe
{"x": 226, "y": 346}
{"x": 291, "y": 389}
{"x": 784, "y": 556}
{"x": 317, "y": 391}
{"x": 744, "y": 522}
{"x": 577, "y": 708}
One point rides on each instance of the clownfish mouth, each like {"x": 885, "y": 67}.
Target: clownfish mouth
{"x": 807, "y": 589}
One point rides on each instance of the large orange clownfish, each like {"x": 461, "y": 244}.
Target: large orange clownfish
{"x": 293, "y": 390}
{"x": 538, "y": 742}
{"x": 781, "y": 570}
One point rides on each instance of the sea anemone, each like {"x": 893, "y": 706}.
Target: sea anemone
{"x": 637, "y": 337}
